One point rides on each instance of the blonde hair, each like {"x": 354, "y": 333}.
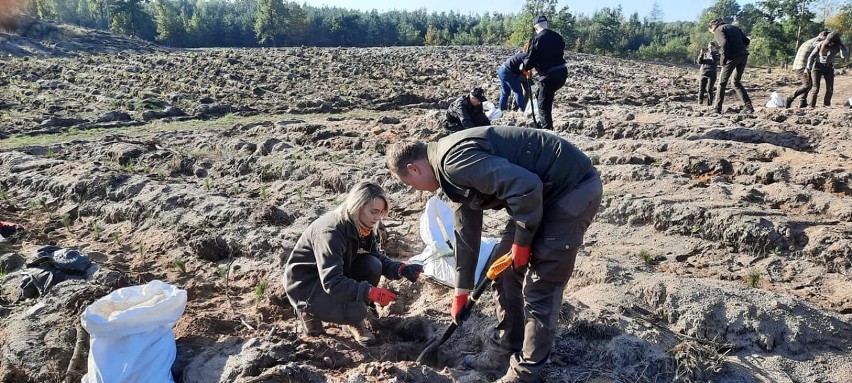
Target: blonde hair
{"x": 359, "y": 196}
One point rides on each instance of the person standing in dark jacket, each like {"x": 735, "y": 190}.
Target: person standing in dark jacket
{"x": 332, "y": 273}
{"x": 708, "y": 59}
{"x": 734, "y": 45}
{"x": 550, "y": 190}
{"x": 545, "y": 55}
{"x": 510, "y": 74}
{"x": 466, "y": 112}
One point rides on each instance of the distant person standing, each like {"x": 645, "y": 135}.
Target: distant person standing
{"x": 466, "y": 112}
{"x": 821, "y": 65}
{"x": 510, "y": 74}
{"x": 734, "y": 45}
{"x": 545, "y": 55}
{"x": 800, "y": 64}
{"x": 708, "y": 58}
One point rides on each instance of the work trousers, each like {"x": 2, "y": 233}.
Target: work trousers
{"x": 528, "y": 300}
{"x": 705, "y": 87}
{"x": 547, "y": 87}
{"x": 328, "y": 308}
{"x": 736, "y": 64}
{"x": 819, "y": 72}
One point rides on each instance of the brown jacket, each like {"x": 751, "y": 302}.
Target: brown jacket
{"x": 495, "y": 167}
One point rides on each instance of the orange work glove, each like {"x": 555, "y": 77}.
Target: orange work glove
{"x": 381, "y": 296}
{"x": 520, "y": 255}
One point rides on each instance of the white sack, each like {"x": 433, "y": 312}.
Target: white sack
{"x": 131, "y": 334}
{"x": 436, "y": 230}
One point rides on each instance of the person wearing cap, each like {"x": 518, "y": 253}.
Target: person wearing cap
{"x": 821, "y": 65}
{"x": 800, "y": 64}
{"x": 510, "y": 74}
{"x": 734, "y": 45}
{"x": 466, "y": 112}
{"x": 551, "y": 191}
{"x": 545, "y": 55}
{"x": 708, "y": 59}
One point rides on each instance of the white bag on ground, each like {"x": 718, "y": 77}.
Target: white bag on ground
{"x": 491, "y": 111}
{"x": 436, "y": 231}
{"x": 775, "y": 101}
{"x": 131, "y": 334}
{"x": 532, "y": 107}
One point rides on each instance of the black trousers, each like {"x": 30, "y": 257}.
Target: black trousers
{"x": 736, "y": 64}
{"x": 547, "y": 87}
{"x": 705, "y": 88}
{"x": 805, "y": 78}
{"x": 817, "y": 73}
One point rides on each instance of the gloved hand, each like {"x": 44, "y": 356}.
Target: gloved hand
{"x": 457, "y": 310}
{"x": 381, "y": 296}
{"x": 520, "y": 255}
{"x": 410, "y": 272}
{"x": 8, "y": 229}
{"x": 527, "y": 74}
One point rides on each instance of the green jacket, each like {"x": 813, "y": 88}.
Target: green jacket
{"x": 494, "y": 167}
{"x": 322, "y": 259}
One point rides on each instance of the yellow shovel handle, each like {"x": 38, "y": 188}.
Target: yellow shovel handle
{"x": 499, "y": 265}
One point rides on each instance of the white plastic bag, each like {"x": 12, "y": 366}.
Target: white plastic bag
{"x": 131, "y": 334}
{"x": 492, "y": 112}
{"x": 775, "y": 101}
{"x": 436, "y": 231}
{"x": 532, "y": 106}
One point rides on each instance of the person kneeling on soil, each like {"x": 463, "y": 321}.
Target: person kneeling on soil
{"x": 335, "y": 267}
{"x": 466, "y": 112}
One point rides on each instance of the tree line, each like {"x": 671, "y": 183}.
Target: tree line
{"x": 776, "y": 27}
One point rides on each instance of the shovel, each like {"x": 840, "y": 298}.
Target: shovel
{"x": 494, "y": 270}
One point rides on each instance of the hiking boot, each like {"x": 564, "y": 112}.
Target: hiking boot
{"x": 486, "y": 362}
{"x": 311, "y": 326}
{"x": 361, "y": 334}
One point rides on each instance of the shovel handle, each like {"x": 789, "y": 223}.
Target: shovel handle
{"x": 499, "y": 266}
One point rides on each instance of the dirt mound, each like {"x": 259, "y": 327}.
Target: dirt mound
{"x": 31, "y": 37}
{"x": 721, "y": 252}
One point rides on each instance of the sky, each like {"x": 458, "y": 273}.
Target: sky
{"x": 673, "y": 10}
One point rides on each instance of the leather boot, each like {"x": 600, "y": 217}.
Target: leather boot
{"x": 311, "y": 326}
{"x": 361, "y": 334}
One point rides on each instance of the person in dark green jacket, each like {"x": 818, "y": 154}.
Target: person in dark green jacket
{"x": 550, "y": 190}
{"x": 734, "y": 45}
{"x": 334, "y": 269}
{"x": 708, "y": 59}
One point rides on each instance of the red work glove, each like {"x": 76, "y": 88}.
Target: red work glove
{"x": 381, "y": 296}
{"x": 520, "y": 255}
{"x": 457, "y": 311}
{"x": 527, "y": 74}
{"x": 410, "y": 272}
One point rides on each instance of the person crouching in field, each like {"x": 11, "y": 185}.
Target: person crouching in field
{"x": 466, "y": 112}
{"x": 708, "y": 58}
{"x": 821, "y": 65}
{"x": 335, "y": 267}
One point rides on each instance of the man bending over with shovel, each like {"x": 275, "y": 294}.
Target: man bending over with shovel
{"x": 551, "y": 191}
